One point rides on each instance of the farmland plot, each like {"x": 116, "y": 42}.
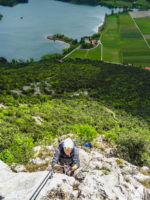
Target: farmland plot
{"x": 144, "y": 25}
{"x": 111, "y": 40}
{"x": 133, "y": 47}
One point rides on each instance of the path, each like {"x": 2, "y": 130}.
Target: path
{"x": 71, "y": 52}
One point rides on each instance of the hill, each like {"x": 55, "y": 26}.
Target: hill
{"x": 44, "y": 100}
{"x": 12, "y": 2}
{"x": 142, "y": 4}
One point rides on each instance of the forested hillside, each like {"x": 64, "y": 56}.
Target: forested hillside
{"x": 43, "y": 100}
{"x": 1, "y": 16}
{"x": 12, "y": 2}
{"x": 113, "y": 3}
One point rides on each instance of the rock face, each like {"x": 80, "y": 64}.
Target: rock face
{"x": 98, "y": 178}
{"x": 18, "y": 186}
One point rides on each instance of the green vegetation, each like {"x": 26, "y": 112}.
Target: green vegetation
{"x": 148, "y": 40}
{"x": 79, "y": 53}
{"x": 85, "y": 132}
{"x": 92, "y": 54}
{"x": 73, "y": 44}
{"x": 144, "y": 25}
{"x": 111, "y": 40}
{"x": 126, "y": 4}
{"x": 123, "y": 42}
{"x": 12, "y": 2}
{"x": 1, "y": 16}
{"x": 75, "y": 97}
{"x": 86, "y": 46}
{"x": 134, "y": 48}
{"x": 88, "y": 50}
{"x": 64, "y": 38}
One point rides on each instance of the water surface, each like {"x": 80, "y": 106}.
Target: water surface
{"x": 26, "y": 37}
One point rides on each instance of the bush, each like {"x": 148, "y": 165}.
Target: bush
{"x": 21, "y": 149}
{"x": 86, "y": 133}
{"x": 134, "y": 147}
{"x": 6, "y": 156}
{"x": 86, "y": 46}
{"x": 51, "y": 56}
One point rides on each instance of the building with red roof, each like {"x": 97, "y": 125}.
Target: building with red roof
{"x": 147, "y": 68}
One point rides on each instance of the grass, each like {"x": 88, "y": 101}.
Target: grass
{"x": 148, "y": 40}
{"x": 123, "y": 42}
{"x": 93, "y": 54}
{"x": 123, "y": 90}
{"x": 77, "y": 54}
{"x": 146, "y": 183}
{"x": 134, "y": 48}
{"x": 111, "y": 40}
{"x": 144, "y": 24}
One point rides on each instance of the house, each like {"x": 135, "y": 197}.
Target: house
{"x": 94, "y": 42}
{"x": 87, "y": 40}
{"x": 147, "y": 68}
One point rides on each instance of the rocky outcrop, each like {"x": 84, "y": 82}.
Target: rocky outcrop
{"x": 18, "y": 186}
{"x": 98, "y": 178}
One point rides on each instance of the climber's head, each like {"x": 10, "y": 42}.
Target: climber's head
{"x": 68, "y": 146}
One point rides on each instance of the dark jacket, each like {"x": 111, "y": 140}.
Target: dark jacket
{"x": 60, "y": 156}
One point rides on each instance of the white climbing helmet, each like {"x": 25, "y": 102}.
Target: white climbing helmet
{"x": 68, "y": 144}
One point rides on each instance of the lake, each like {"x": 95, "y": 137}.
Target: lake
{"x": 24, "y": 27}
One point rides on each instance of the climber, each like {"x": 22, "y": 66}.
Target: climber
{"x": 68, "y": 155}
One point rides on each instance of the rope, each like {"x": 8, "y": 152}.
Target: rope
{"x": 49, "y": 175}
{"x": 42, "y": 184}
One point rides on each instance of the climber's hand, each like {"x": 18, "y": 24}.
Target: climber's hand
{"x": 57, "y": 167}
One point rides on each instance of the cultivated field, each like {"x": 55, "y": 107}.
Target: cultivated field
{"x": 111, "y": 40}
{"x": 134, "y": 48}
{"x": 124, "y": 40}
{"x": 144, "y": 25}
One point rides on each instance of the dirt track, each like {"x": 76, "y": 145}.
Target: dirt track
{"x": 147, "y": 36}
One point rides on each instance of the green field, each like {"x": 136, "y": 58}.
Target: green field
{"x": 111, "y": 40}
{"x": 144, "y": 25}
{"x": 93, "y": 54}
{"x": 134, "y": 48}
{"x": 148, "y": 40}
{"x": 123, "y": 42}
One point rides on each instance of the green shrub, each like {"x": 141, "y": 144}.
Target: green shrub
{"x": 21, "y": 149}
{"x": 86, "y": 133}
{"x": 111, "y": 135}
{"x": 5, "y": 112}
{"x": 134, "y": 147}
{"x": 6, "y": 156}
